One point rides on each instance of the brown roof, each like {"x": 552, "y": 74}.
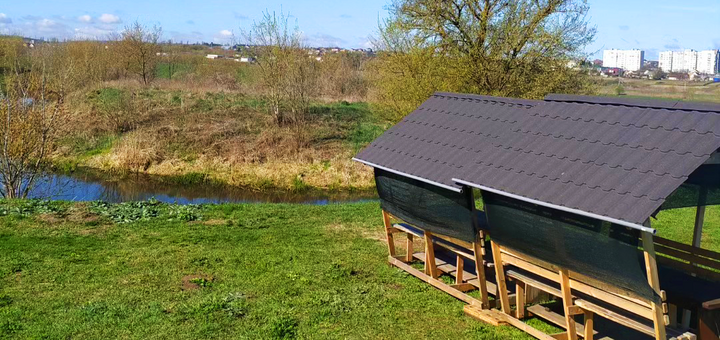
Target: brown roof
{"x": 614, "y": 158}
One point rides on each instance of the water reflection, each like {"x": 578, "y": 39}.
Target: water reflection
{"x": 90, "y": 186}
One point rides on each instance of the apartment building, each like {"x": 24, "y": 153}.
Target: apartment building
{"x": 628, "y": 60}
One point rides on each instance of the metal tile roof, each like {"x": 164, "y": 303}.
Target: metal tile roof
{"x": 618, "y": 158}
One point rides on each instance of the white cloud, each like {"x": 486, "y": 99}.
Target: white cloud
{"x": 323, "y": 40}
{"x": 109, "y": 18}
{"x": 4, "y": 19}
{"x": 226, "y": 33}
{"x": 85, "y": 18}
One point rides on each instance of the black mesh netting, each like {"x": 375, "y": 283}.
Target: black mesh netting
{"x": 427, "y": 206}
{"x": 701, "y": 188}
{"x": 607, "y": 253}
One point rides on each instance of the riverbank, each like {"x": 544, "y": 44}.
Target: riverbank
{"x": 216, "y": 137}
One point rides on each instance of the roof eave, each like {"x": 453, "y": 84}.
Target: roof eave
{"x": 445, "y": 186}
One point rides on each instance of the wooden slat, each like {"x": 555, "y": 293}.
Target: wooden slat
{"x": 654, "y": 282}
{"x": 712, "y": 304}
{"x": 430, "y": 266}
{"x": 448, "y": 246}
{"x": 610, "y": 315}
{"x": 503, "y": 318}
{"x": 478, "y": 252}
{"x": 409, "y": 247}
{"x": 519, "y": 299}
{"x": 611, "y": 298}
{"x": 388, "y": 234}
{"x": 469, "y": 277}
{"x": 460, "y": 269}
{"x": 688, "y": 248}
{"x": 485, "y": 315}
{"x": 567, "y": 303}
{"x": 500, "y": 278}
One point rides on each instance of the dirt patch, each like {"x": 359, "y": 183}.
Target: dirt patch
{"x": 212, "y": 222}
{"x": 192, "y": 282}
{"x": 97, "y": 230}
{"x": 50, "y": 218}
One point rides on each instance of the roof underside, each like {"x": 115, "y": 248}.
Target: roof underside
{"x": 619, "y": 159}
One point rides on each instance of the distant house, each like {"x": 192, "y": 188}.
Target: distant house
{"x": 213, "y": 56}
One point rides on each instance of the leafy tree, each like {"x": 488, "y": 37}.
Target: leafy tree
{"x": 140, "y": 48}
{"x": 515, "y": 48}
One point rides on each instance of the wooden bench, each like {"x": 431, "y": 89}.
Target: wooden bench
{"x": 691, "y": 278}
{"x": 581, "y": 296}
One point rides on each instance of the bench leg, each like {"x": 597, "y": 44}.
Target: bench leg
{"x": 388, "y": 234}
{"x": 409, "y": 246}
{"x": 430, "y": 265}
{"x": 589, "y": 331}
{"x": 459, "y": 270}
{"x": 519, "y": 299}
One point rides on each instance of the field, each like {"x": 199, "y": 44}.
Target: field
{"x": 662, "y": 89}
{"x": 149, "y": 270}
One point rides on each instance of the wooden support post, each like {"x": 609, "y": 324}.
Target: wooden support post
{"x": 480, "y": 269}
{"x": 672, "y": 314}
{"x": 388, "y": 234}
{"x": 654, "y": 282}
{"x": 567, "y": 303}
{"x": 430, "y": 265}
{"x": 700, "y": 217}
{"x": 500, "y": 278}
{"x": 409, "y": 246}
{"x": 519, "y": 299}
{"x": 589, "y": 332}
{"x": 459, "y": 270}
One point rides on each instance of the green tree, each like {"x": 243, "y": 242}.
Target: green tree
{"x": 497, "y": 47}
{"x": 140, "y": 49}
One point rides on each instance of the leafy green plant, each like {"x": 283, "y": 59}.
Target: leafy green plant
{"x": 284, "y": 327}
{"x": 128, "y": 212}
{"x": 202, "y": 282}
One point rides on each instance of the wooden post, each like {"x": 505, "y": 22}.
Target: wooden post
{"x": 500, "y": 278}
{"x": 409, "y": 246}
{"x": 430, "y": 265}
{"x": 459, "y": 270}
{"x": 480, "y": 269}
{"x": 699, "y": 219}
{"x": 654, "y": 281}
{"x": 567, "y": 303}
{"x": 589, "y": 332}
{"x": 519, "y": 299}
{"x": 388, "y": 234}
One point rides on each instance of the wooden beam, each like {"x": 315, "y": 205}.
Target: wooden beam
{"x": 654, "y": 282}
{"x": 460, "y": 269}
{"x": 388, "y": 234}
{"x": 479, "y": 251}
{"x": 500, "y": 318}
{"x": 700, "y": 217}
{"x": 409, "y": 246}
{"x": 519, "y": 299}
{"x": 430, "y": 266}
{"x": 434, "y": 282}
{"x": 552, "y": 317}
{"x": 464, "y": 287}
{"x": 589, "y": 331}
{"x": 712, "y": 304}
{"x": 567, "y": 303}
{"x": 500, "y": 278}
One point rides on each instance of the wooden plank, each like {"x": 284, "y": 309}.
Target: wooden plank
{"x": 459, "y": 269}
{"x": 503, "y": 318}
{"x": 430, "y": 266}
{"x": 622, "y": 302}
{"x": 567, "y": 303}
{"x": 520, "y": 300}
{"x": 388, "y": 234}
{"x": 480, "y": 271}
{"x": 654, "y": 282}
{"x": 464, "y": 287}
{"x": 688, "y": 248}
{"x": 434, "y": 282}
{"x": 456, "y": 250}
{"x": 552, "y": 317}
{"x": 409, "y": 247}
{"x": 589, "y": 331}
{"x": 500, "y": 278}
{"x": 560, "y": 336}
{"x": 535, "y": 283}
{"x": 469, "y": 278}
{"x": 484, "y": 315}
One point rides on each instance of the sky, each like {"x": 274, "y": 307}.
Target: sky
{"x": 652, "y": 26}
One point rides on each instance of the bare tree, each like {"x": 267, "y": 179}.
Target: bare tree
{"x": 140, "y": 48}
{"x": 287, "y": 74}
{"x": 32, "y": 108}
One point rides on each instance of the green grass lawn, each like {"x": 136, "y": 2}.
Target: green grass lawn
{"x": 87, "y": 271}
{"x": 151, "y": 270}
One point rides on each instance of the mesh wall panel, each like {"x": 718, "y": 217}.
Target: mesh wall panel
{"x": 607, "y": 253}
{"x": 426, "y": 206}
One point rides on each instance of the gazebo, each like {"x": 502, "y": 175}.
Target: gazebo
{"x": 569, "y": 186}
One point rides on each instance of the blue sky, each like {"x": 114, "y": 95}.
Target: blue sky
{"x": 649, "y": 25}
